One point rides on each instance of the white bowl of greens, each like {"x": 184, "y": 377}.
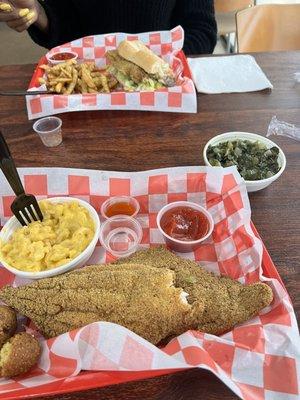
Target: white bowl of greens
{"x": 259, "y": 160}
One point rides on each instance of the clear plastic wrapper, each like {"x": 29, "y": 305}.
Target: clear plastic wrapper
{"x": 281, "y": 128}
{"x": 297, "y": 77}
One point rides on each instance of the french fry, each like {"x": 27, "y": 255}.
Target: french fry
{"x": 104, "y": 83}
{"x": 71, "y": 85}
{"x": 67, "y": 72}
{"x": 90, "y": 66}
{"x": 78, "y": 87}
{"x": 87, "y": 78}
{"x": 45, "y": 67}
{"x": 42, "y": 81}
{"x": 69, "y": 77}
{"x": 63, "y": 80}
{"x": 84, "y": 87}
{"x": 58, "y": 87}
{"x": 97, "y": 82}
{"x": 96, "y": 74}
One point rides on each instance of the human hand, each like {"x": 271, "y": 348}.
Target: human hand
{"x": 19, "y": 14}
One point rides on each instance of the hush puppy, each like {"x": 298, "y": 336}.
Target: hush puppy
{"x": 18, "y": 355}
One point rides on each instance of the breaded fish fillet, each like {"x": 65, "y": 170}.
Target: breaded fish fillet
{"x": 225, "y": 302}
{"x": 8, "y": 324}
{"x": 144, "y": 293}
{"x": 127, "y": 68}
{"x": 142, "y": 299}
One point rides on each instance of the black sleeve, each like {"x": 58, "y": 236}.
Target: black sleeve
{"x": 64, "y": 24}
{"x": 197, "y": 18}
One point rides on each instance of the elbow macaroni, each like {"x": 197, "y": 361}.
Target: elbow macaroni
{"x": 65, "y": 232}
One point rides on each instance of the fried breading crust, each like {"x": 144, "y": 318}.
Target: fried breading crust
{"x": 142, "y": 299}
{"x": 8, "y": 324}
{"x": 18, "y": 355}
{"x": 226, "y": 302}
{"x": 136, "y": 73}
{"x": 138, "y": 293}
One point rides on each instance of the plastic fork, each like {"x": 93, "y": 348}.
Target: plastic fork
{"x": 25, "y": 206}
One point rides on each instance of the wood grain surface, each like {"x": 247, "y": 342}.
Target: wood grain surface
{"x": 133, "y": 141}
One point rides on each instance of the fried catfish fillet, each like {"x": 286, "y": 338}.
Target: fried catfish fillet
{"x": 142, "y": 299}
{"x": 127, "y": 68}
{"x": 145, "y": 293}
{"x": 225, "y": 302}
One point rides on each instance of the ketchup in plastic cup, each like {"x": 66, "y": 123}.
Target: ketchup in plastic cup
{"x": 61, "y": 57}
{"x": 184, "y": 225}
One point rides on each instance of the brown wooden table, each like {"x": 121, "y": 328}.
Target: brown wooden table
{"x": 121, "y": 140}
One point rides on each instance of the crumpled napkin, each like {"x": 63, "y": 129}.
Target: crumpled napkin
{"x": 228, "y": 74}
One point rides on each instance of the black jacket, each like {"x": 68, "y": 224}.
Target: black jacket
{"x": 72, "y": 19}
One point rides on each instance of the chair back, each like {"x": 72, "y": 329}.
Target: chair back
{"x": 268, "y": 27}
{"x": 228, "y": 6}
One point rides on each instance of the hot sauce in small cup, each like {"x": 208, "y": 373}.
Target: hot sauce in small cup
{"x": 122, "y": 208}
{"x": 120, "y": 205}
{"x": 185, "y": 224}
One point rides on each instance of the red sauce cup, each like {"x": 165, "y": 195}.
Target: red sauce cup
{"x": 184, "y": 246}
{"x": 61, "y": 57}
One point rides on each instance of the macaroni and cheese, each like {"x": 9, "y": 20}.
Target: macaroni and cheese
{"x": 65, "y": 232}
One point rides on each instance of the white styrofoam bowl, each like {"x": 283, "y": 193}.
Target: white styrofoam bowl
{"x": 13, "y": 224}
{"x": 252, "y": 186}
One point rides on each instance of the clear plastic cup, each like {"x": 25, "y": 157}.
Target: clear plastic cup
{"x": 49, "y": 130}
{"x": 179, "y": 245}
{"x": 132, "y": 205}
{"x": 121, "y": 235}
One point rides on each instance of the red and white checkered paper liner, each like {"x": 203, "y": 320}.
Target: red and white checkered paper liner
{"x": 180, "y": 98}
{"x": 257, "y": 360}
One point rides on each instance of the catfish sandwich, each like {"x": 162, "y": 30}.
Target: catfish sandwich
{"x": 137, "y": 68}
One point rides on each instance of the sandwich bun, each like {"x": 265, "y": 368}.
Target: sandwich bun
{"x": 136, "y": 52}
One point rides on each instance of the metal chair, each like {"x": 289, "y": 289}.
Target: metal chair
{"x": 225, "y": 15}
{"x": 268, "y": 27}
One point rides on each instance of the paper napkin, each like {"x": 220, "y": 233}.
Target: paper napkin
{"x": 228, "y": 74}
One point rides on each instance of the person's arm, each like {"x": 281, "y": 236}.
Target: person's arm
{"x": 197, "y": 18}
{"x": 58, "y": 22}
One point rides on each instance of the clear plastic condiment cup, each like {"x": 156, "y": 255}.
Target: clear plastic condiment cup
{"x": 51, "y": 57}
{"x": 114, "y": 201}
{"x": 121, "y": 235}
{"x": 181, "y": 246}
{"x": 49, "y": 130}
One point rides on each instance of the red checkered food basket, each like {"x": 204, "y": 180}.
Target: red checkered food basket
{"x": 257, "y": 360}
{"x": 168, "y": 44}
